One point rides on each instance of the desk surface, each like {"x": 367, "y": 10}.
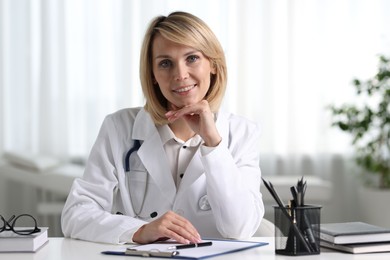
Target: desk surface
{"x": 69, "y": 249}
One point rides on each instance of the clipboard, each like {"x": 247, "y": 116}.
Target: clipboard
{"x": 143, "y": 253}
{"x": 160, "y": 249}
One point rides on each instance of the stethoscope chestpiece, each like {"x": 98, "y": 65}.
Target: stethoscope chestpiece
{"x": 204, "y": 203}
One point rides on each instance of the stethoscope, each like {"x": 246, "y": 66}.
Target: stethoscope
{"x": 136, "y": 146}
{"x": 203, "y": 202}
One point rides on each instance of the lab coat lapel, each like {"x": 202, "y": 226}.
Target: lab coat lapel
{"x": 195, "y": 168}
{"x": 222, "y": 124}
{"x": 193, "y": 172}
{"x": 152, "y": 154}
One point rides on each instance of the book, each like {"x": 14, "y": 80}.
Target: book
{"x": 375, "y": 247}
{"x": 353, "y": 233}
{"x": 12, "y": 242}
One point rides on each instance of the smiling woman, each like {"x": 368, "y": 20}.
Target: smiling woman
{"x": 64, "y": 65}
{"x": 203, "y": 163}
{"x": 176, "y": 66}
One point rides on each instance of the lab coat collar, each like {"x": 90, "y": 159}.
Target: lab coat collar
{"x": 152, "y": 154}
{"x": 166, "y": 135}
{"x": 143, "y": 126}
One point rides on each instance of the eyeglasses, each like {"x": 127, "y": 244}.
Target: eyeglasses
{"x": 23, "y": 224}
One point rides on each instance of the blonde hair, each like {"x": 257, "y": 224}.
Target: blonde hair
{"x": 186, "y": 29}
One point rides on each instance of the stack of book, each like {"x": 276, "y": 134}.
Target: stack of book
{"x": 355, "y": 237}
{"x": 12, "y": 242}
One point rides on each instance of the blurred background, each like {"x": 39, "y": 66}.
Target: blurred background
{"x": 66, "y": 64}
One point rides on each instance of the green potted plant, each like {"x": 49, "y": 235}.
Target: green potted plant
{"x": 368, "y": 122}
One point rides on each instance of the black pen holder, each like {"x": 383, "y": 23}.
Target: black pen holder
{"x": 297, "y": 230}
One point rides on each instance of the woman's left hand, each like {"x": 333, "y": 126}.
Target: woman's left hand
{"x": 200, "y": 119}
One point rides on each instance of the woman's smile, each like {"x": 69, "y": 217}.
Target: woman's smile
{"x": 182, "y": 90}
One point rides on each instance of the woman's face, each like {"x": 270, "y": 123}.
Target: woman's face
{"x": 182, "y": 73}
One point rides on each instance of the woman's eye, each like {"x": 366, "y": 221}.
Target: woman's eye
{"x": 164, "y": 64}
{"x": 192, "y": 58}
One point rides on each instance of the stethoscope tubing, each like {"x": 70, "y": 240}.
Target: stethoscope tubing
{"x": 136, "y": 146}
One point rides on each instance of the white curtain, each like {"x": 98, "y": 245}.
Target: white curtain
{"x": 64, "y": 65}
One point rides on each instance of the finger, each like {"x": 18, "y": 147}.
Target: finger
{"x": 182, "y": 235}
{"x": 181, "y": 228}
{"x": 187, "y": 112}
{"x": 172, "y": 111}
{"x": 171, "y": 116}
{"x": 177, "y": 237}
{"x": 185, "y": 227}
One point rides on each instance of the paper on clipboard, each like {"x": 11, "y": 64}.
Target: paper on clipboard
{"x": 219, "y": 247}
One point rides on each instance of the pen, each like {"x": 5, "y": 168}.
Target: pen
{"x": 135, "y": 252}
{"x": 298, "y": 232}
{"x": 190, "y": 245}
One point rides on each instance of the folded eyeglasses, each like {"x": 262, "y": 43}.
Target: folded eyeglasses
{"x": 23, "y": 224}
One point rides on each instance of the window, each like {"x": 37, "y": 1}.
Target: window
{"x": 64, "y": 65}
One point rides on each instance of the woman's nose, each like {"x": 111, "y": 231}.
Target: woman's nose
{"x": 181, "y": 72}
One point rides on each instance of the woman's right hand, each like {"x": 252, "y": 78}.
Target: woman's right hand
{"x": 168, "y": 226}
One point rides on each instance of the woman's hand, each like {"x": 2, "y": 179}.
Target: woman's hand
{"x": 168, "y": 226}
{"x": 200, "y": 119}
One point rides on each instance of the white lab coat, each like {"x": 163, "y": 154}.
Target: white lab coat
{"x": 227, "y": 179}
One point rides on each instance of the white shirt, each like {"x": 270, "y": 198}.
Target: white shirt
{"x": 179, "y": 152}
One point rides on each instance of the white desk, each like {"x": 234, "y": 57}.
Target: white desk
{"x": 69, "y": 249}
